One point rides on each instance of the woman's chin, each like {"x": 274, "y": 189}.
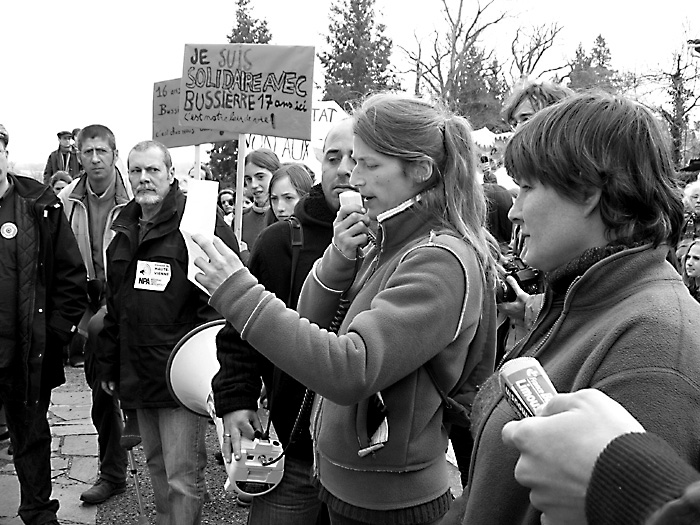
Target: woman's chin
{"x": 372, "y": 211}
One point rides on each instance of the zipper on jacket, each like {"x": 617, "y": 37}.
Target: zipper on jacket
{"x": 560, "y": 319}
{"x": 477, "y": 437}
{"x": 546, "y": 337}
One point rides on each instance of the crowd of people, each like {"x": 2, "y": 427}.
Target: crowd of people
{"x": 374, "y": 330}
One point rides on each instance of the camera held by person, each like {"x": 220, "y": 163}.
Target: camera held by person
{"x": 527, "y": 278}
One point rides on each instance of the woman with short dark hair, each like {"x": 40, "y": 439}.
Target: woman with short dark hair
{"x": 599, "y": 210}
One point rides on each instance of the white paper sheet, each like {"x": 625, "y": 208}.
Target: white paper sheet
{"x": 199, "y": 217}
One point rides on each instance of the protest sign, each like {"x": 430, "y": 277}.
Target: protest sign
{"x": 324, "y": 115}
{"x": 248, "y": 88}
{"x": 166, "y": 126}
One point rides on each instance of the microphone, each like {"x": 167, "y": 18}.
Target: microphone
{"x": 350, "y": 197}
{"x": 526, "y": 385}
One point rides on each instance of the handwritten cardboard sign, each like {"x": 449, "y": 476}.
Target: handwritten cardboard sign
{"x": 324, "y": 115}
{"x": 248, "y": 88}
{"x": 166, "y": 125}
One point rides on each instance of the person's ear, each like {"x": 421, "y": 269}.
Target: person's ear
{"x": 420, "y": 171}
{"x": 171, "y": 174}
{"x": 591, "y": 202}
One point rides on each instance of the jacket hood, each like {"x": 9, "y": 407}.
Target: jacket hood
{"x": 313, "y": 208}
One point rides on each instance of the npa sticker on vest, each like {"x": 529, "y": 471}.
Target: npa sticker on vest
{"x": 8, "y": 230}
{"x": 153, "y": 276}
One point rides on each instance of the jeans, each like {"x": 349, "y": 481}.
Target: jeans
{"x": 293, "y": 502}
{"x": 30, "y": 436}
{"x": 105, "y": 412}
{"x": 175, "y": 450}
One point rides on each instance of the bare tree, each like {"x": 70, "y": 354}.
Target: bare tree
{"x": 527, "y": 48}
{"x": 679, "y": 83}
{"x": 443, "y": 70}
{"x": 418, "y": 65}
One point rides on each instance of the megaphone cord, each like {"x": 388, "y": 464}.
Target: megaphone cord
{"x": 305, "y": 407}
{"x": 341, "y": 312}
{"x": 343, "y": 307}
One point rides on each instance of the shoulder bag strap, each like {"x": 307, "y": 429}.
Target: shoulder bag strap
{"x": 297, "y": 241}
{"x": 429, "y": 368}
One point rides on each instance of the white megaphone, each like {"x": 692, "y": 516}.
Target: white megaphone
{"x": 191, "y": 367}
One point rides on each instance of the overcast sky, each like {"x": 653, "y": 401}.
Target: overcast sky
{"x": 70, "y": 64}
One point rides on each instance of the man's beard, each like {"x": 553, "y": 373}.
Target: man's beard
{"x": 148, "y": 200}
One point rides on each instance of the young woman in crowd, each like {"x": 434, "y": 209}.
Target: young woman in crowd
{"x": 599, "y": 210}
{"x": 260, "y": 164}
{"x": 60, "y": 180}
{"x": 421, "y": 295}
{"x": 287, "y": 185}
{"x": 691, "y": 269}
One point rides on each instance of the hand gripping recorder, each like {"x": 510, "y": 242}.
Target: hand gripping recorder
{"x": 191, "y": 367}
{"x": 526, "y": 385}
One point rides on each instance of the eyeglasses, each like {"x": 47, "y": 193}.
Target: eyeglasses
{"x": 102, "y": 153}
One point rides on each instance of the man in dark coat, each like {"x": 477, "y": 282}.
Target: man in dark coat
{"x": 65, "y": 158}
{"x": 237, "y": 385}
{"x": 151, "y": 306}
{"x": 43, "y": 291}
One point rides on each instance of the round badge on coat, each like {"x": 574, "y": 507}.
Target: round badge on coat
{"x": 8, "y": 230}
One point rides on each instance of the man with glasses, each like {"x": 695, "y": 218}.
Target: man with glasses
{"x": 42, "y": 296}
{"x": 62, "y": 159}
{"x": 91, "y": 204}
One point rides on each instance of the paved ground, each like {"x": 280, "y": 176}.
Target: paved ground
{"x": 74, "y": 469}
{"x": 73, "y": 457}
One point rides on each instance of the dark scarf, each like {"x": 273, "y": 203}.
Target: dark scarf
{"x": 316, "y": 205}
{"x": 561, "y": 278}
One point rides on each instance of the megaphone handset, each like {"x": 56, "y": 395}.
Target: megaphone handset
{"x": 252, "y": 473}
{"x": 237, "y": 424}
{"x": 255, "y": 474}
